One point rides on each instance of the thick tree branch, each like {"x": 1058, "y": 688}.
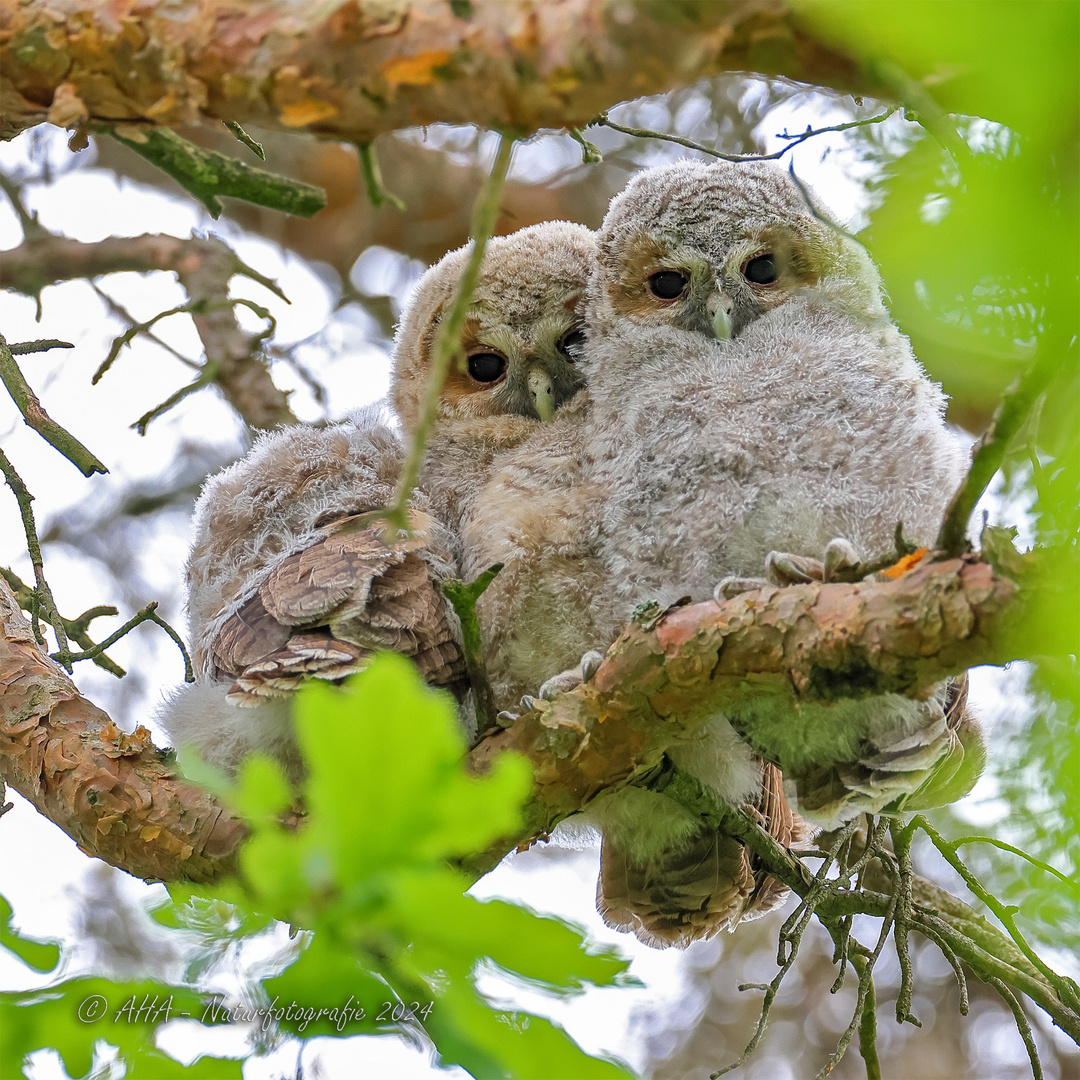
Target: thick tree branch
{"x": 204, "y": 267}
{"x": 802, "y": 643}
{"x": 114, "y": 794}
{"x": 365, "y": 67}
{"x": 805, "y": 641}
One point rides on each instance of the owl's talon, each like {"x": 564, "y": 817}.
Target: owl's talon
{"x": 840, "y": 555}
{"x": 505, "y": 718}
{"x": 590, "y": 664}
{"x": 728, "y": 587}
{"x": 528, "y": 702}
{"x": 782, "y": 568}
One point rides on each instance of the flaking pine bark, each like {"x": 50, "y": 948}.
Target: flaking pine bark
{"x": 361, "y": 68}
{"x": 119, "y": 800}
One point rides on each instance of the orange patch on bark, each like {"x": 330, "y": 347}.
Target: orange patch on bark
{"x": 902, "y": 566}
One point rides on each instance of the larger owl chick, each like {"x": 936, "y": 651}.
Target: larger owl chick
{"x": 751, "y": 394}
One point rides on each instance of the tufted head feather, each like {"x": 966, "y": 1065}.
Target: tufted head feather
{"x": 526, "y": 305}
{"x": 684, "y": 241}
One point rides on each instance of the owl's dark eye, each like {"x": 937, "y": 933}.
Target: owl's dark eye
{"x": 668, "y": 284}
{"x": 572, "y": 344}
{"x": 487, "y": 367}
{"x": 762, "y": 270}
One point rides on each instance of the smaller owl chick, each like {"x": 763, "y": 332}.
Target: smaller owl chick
{"x": 285, "y": 582}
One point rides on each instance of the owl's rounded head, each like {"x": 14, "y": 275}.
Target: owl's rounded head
{"x": 712, "y": 247}
{"x": 523, "y": 334}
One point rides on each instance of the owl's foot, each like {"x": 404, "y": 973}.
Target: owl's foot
{"x": 785, "y": 569}
{"x": 728, "y": 587}
{"x": 572, "y": 677}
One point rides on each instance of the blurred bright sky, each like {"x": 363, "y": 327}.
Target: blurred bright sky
{"x": 42, "y": 872}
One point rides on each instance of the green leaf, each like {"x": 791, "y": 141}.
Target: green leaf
{"x": 40, "y": 955}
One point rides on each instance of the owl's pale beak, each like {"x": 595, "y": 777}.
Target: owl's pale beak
{"x": 719, "y": 306}
{"x": 542, "y": 392}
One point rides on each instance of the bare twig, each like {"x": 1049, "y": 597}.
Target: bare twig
{"x": 1064, "y": 879}
{"x": 44, "y": 596}
{"x": 865, "y": 971}
{"x": 868, "y": 1027}
{"x": 133, "y": 331}
{"x": 1016, "y": 405}
{"x": 902, "y": 846}
{"x": 242, "y": 136}
{"x": 205, "y": 378}
{"x": 1022, "y": 1025}
{"x": 590, "y": 153}
{"x": 1066, "y": 988}
{"x": 22, "y": 348}
{"x": 117, "y": 308}
{"x": 373, "y": 181}
{"x": 37, "y": 418}
{"x": 147, "y": 614}
{"x": 794, "y": 140}
{"x": 447, "y": 344}
{"x": 31, "y": 227}
{"x": 76, "y": 629}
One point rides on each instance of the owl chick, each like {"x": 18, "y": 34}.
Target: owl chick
{"x": 749, "y": 394}
{"x": 286, "y": 579}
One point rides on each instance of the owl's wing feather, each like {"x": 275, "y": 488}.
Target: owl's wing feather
{"x": 935, "y": 764}
{"x": 686, "y": 896}
{"x": 314, "y": 654}
{"x": 314, "y": 582}
{"x": 322, "y": 611}
{"x": 784, "y": 826}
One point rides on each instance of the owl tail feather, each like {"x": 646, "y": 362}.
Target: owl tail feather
{"x": 677, "y": 898}
{"x": 711, "y": 884}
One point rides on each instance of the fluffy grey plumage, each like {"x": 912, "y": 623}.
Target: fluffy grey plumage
{"x": 749, "y": 393}
{"x": 743, "y": 416}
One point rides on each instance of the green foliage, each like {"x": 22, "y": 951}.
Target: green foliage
{"x": 975, "y": 233}
{"x": 70, "y": 1015}
{"x": 369, "y": 875}
{"x": 390, "y": 942}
